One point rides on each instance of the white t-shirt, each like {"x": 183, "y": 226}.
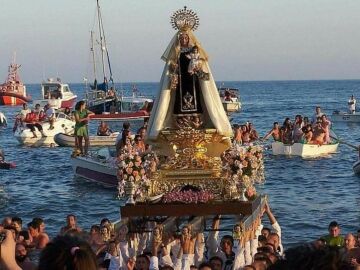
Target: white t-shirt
{"x": 23, "y": 113}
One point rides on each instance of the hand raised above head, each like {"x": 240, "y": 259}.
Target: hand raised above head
{"x": 7, "y": 250}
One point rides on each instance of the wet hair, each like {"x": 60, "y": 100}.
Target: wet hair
{"x": 67, "y": 252}
{"x": 17, "y": 220}
{"x": 276, "y": 123}
{"x": 216, "y": 258}
{"x": 38, "y": 221}
{"x": 34, "y": 225}
{"x": 79, "y": 104}
{"x": 333, "y": 224}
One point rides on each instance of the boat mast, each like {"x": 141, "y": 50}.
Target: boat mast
{"x": 93, "y": 52}
{"x": 102, "y": 44}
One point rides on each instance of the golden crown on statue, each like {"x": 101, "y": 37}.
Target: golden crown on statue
{"x": 184, "y": 19}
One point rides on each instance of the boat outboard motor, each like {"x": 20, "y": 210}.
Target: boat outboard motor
{"x": 3, "y": 121}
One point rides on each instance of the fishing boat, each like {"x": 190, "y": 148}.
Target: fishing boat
{"x": 13, "y": 91}
{"x": 230, "y": 98}
{"x": 127, "y": 108}
{"x": 62, "y": 123}
{"x": 303, "y": 150}
{"x": 100, "y": 96}
{"x": 96, "y": 167}
{"x": 338, "y": 116}
{"x": 68, "y": 140}
{"x": 57, "y": 94}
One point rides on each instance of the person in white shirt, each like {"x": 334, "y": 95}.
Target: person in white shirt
{"x": 274, "y": 237}
{"x": 352, "y": 104}
{"x": 317, "y": 114}
{"x": 50, "y": 115}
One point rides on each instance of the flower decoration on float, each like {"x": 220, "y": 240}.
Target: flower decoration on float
{"x": 185, "y": 19}
{"x": 186, "y": 196}
{"x": 136, "y": 169}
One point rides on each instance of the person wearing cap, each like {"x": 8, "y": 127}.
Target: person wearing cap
{"x": 333, "y": 239}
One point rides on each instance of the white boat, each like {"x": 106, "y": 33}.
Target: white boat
{"x": 303, "y": 150}
{"x": 230, "y": 98}
{"x": 96, "y": 167}
{"x": 63, "y": 139}
{"x": 57, "y": 94}
{"x": 63, "y": 123}
{"x": 356, "y": 167}
{"x": 338, "y": 116}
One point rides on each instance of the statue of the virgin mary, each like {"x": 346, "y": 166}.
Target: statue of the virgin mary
{"x": 187, "y": 89}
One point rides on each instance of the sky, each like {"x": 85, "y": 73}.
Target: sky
{"x": 245, "y": 39}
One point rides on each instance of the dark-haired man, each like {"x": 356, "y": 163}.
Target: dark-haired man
{"x": 225, "y": 249}
{"x": 39, "y": 239}
{"x": 16, "y": 222}
{"x": 334, "y": 239}
{"x": 22, "y": 258}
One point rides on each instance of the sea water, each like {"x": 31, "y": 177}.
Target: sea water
{"x": 304, "y": 194}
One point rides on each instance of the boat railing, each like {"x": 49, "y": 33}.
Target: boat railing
{"x": 61, "y": 115}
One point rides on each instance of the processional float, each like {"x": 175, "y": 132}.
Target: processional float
{"x": 193, "y": 175}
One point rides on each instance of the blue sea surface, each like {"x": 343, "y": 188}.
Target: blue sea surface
{"x": 305, "y": 194}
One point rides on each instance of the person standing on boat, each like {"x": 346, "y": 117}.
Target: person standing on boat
{"x": 317, "y": 114}
{"x": 103, "y": 129}
{"x": 352, "y": 104}
{"x": 82, "y": 117}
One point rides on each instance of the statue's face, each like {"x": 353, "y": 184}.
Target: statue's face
{"x": 184, "y": 40}
{"x": 185, "y": 231}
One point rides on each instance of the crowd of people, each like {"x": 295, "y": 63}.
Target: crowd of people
{"x": 245, "y": 134}
{"x": 113, "y": 246}
{"x": 302, "y": 130}
{"x": 35, "y": 117}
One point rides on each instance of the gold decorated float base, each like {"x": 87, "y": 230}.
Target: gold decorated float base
{"x": 192, "y": 163}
